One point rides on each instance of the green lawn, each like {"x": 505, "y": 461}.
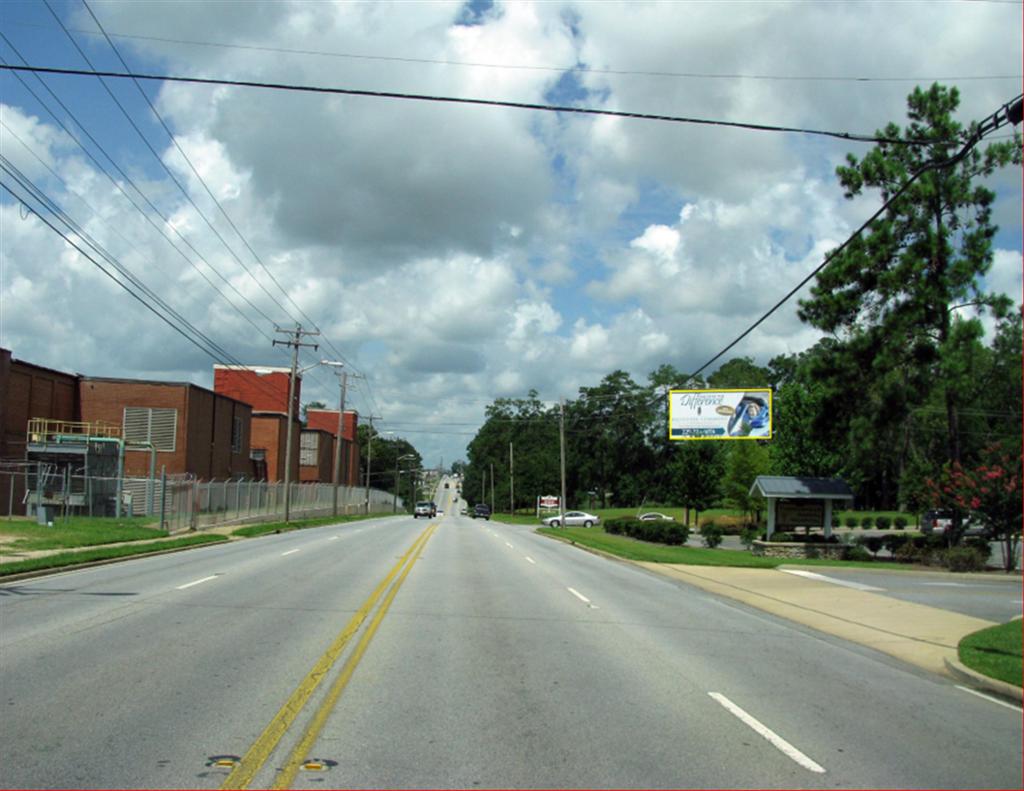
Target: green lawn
{"x": 995, "y": 652}
{"x": 632, "y": 549}
{"x": 105, "y": 553}
{"x": 79, "y": 531}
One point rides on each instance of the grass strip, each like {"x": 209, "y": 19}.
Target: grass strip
{"x": 106, "y": 553}
{"x": 79, "y": 531}
{"x": 251, "y": 531}
{"x": 995, "y": 652}
{"x": 632, "y": 549}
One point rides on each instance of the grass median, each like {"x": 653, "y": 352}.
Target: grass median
{"x": 105, "y": 553}
{"x": 251, "y": 531}
{"x": 632, "y": 549}
{"x": 995, "y": 652}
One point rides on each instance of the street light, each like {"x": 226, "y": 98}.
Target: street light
{"x": 394, "y": 502}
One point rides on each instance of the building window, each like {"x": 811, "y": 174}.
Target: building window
{"x": 309, "y": 447}
{"x": 156, "y": 426}
{"x": 236, "y": 435}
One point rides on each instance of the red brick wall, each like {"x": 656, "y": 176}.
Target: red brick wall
{"x": 202, "y": 445}
{"x": 106, "y": 399}
{"x": 28, "y": 391}
{"x": 265, "y": 389}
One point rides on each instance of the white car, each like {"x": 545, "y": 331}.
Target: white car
{"x": 573, "y": 519}
{"x": 654, "y": 516}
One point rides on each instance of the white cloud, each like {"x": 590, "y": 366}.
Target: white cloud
{"x": 459, "y": 253}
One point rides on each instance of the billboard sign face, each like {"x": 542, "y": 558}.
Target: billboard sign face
{"x": 547, "y": 501}
{"x": 720, "y": 414}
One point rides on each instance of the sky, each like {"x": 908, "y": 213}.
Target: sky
{"x": 451, "y": 254}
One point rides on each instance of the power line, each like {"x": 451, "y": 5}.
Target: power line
{"x": 577, "y": 67}
{"x": 848, "y": 136}
{"x": 1000, "y": 118}
{"x": 128, "y": 180}
{"x": 198, "y": 177}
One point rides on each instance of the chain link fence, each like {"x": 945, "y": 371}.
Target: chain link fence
{"x": 179, "y": 502}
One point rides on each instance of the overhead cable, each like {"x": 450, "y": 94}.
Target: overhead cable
{"x": 849, "y": 136}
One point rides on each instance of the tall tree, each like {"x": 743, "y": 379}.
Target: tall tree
{"x": 891, "y": 294}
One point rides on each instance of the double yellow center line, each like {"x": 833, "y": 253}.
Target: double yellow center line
{"x": 258, "y": 754}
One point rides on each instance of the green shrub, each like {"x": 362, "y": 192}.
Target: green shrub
{"x": 856, "y": 552}
{"x": 980, "y": 545}
{"x": 835, "y": 520}
{"x": 674, "y": 534}
{"x": 851, "y": 521}
{"x": 711, "y": 535}
{"x": 866, "y": 523}
{"x": 963, "y": 559}
{"x": 749, "y": 535}
{"x": 615, "y": 526}
{"x": 900, "y": 523}
{"x": 883, "y": 522}
{"x": 782, "y": 536}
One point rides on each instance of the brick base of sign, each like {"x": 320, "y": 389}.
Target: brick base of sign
{"x": 797, "y": 549}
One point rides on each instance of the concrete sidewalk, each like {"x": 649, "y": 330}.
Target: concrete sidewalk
{"x": 921, "y": 635}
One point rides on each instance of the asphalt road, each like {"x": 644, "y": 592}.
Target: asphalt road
{"x": 504, "y": 659}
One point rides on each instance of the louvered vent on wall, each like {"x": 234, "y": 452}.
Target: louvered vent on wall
{"x": 151, "y": 425}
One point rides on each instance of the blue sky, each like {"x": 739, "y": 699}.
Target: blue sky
{"x": 456, "y": 254}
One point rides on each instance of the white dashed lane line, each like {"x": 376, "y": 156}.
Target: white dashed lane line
{"x": 763, "y": 730}
{"x": 582, "y": 598}
{"x": 831, "y": 580}
{"x": 197, "y": 582}
{"x": 290, "y": 552}
{"x": 509, "y": 545}
{"x": 530, "y": 560}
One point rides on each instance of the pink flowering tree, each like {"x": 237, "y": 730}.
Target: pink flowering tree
{"x": 988, "y": 494}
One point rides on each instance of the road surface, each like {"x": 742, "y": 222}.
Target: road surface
{"x": 492, "y": 657}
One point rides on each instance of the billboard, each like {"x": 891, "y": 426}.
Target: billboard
{"x": 720, "y": 414}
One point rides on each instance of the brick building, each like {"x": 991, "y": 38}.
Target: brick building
{"x": 269, "y": 440}
{"x": 194, "y": 430}
{"x": 327, "y": 420}
{"x": 264, "y": 387}
{"x": 28, "y": 391}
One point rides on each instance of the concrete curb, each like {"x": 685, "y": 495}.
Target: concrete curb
{"x": 993, "y": 685}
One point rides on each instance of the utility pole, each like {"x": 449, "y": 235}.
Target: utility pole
{"x": 341, "y": 429}
{"x": 561, "y": 444}
{"x": 295, "y": 341}
{"x": 511, "y": 481}
{"x": 492, "y": 486}
{"x": 369, "y": 460}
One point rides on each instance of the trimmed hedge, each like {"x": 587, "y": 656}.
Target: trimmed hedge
{"x": 655, "y": 531}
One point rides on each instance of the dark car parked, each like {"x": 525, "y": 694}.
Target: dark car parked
{"x": 481, "y": 511}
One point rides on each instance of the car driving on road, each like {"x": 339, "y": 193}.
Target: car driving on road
{"x": 424, "y": 508}
{"x": 481, "y": 511}
{"x": 573, "y": 519}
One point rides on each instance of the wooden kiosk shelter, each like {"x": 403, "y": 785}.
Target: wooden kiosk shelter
{"x": 800, "y": 502}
